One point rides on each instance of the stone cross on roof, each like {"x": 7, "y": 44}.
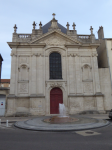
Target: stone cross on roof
{"x": 15, "y": 28}
{"x": 54, "y": 15}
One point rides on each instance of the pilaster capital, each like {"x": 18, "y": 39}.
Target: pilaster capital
{"x": 73, "y": 54}
{"x": 94, "y": 54}
{"x": 13, "y": 54}
{"x": 38, "y": 54}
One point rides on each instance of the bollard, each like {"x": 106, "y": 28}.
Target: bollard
{"x": 7, "y": 123}
{"x": 0, "y": 121}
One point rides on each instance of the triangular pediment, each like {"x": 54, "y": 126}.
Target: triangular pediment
{"x": 55, "y": 38}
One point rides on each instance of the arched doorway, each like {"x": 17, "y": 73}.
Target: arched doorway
{"x": 56, "y": 97}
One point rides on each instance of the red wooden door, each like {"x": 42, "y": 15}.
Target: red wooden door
{"x": 56, "y": 97}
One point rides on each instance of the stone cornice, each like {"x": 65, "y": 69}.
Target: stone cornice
{"x": 72, "y": 46}
{"x": 86, "y": 95}
{"x": 25, "y": 45}
{"x": 82, "y": 45}
{"x": 10, "y": 96}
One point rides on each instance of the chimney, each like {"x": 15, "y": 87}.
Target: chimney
{"x": 100, "y": 33}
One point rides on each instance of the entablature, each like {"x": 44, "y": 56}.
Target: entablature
{"x": 25, "y": 45}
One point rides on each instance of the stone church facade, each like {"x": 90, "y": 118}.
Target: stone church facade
{"x": 55, "y": 65}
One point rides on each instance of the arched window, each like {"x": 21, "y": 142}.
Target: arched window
{"x": 55, "y": 66}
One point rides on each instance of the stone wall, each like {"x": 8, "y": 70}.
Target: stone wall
{"x": 30, "y": 82}
{"x": 102, "y": 55}
{"x": 105, "y": 83}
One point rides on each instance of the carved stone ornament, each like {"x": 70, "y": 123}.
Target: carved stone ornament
{"x": 86, "y": 66}
{"x": 38, "y": 54}
{"x": 13, "y": 54}
{"x": 94, "y": 54}
{"x": 65, "y": 83}
{"x": 56, "y": 84}
{"x": 23, "y": 88}
{"x": 55, "y": 41}
{"x": 73, "y": 54}
{"x": 23, "y": 66}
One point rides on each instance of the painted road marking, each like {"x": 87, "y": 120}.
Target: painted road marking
{"x": 87, "y": 133}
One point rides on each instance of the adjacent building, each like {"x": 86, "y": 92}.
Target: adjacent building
{"x": 105, "y": 52}
{"x": 4, "y": 91}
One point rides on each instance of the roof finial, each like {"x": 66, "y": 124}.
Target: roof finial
{"x": 15, "y": 28}
{"x": 54, "y": 15}
{"x": 91, "y": 29}
{"x": 34, "y": 25}
{"x": 73, "y": 26}
{"x": 40, "y": 25}
{"x": 67, "y": 26}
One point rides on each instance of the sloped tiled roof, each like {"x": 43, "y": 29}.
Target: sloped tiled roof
{"x": 48, "y": 25}
{"x": 5, "y": 80}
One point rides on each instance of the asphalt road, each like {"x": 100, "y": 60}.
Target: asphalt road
{"x": 18, "y": 139}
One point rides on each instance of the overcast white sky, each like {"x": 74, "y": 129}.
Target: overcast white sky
{"x": 84, "y": 13}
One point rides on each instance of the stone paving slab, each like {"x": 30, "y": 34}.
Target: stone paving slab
{"x": 83, "y": 124}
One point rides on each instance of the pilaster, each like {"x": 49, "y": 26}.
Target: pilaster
{"x": 33, "y": 75}
{"x": 40, "y": 75}
{"x": 96, "y": 73}
{"x": 13, "y": 72}
{"x": 71, "y": 69}
{"x": 78, "y": 74}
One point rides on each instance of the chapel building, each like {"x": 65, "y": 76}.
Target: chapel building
{"x": 55, "y": 65}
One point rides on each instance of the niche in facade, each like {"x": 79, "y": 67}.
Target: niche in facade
{"x": 86, "y": 72}
{"x": 24, "y": 72}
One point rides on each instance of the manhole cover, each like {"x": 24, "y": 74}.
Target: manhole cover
{"x": 89, "y": 132}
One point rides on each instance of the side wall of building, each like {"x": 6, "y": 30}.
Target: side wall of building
{"x": 105, "y": 83}
{"x": 109, "y": 55}
{"x": 102, "y": 55}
